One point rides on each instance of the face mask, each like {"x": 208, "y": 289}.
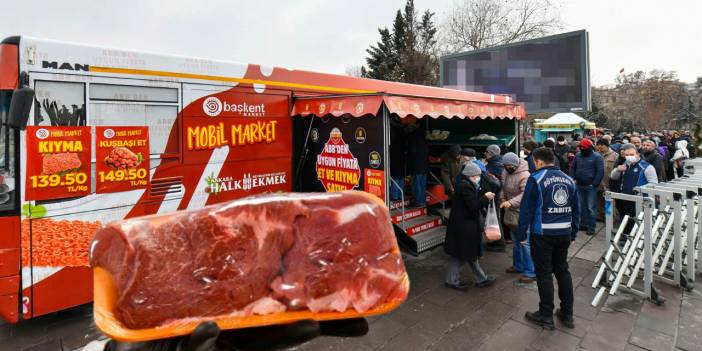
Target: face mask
{"x": 561, "y": 143}
{"x": 475, "y": 180}
{"x": 625, "y": 141}
{"x": 630, "y": 160}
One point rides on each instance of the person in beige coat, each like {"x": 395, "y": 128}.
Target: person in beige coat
{"x": 514, "y": 179}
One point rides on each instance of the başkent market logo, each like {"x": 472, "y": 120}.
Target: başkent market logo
{"x": 337, "y": 168}
{"x": 213, "y": 106}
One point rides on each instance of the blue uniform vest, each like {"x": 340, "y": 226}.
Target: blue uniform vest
{"x": 555, "y": 204}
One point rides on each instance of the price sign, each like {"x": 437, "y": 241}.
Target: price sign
{"x": 374, "y": 182}
{"x": 58, "y": 162}
{"x": 121, "y": 158}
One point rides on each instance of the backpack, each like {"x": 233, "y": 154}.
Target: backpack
{"x": 663, "y": 151}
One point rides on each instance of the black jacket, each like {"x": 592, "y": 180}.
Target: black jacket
{"x": 417, "y": 152}
{"x": 466, "y": 223}
{"x": 397, "y": 153}
{"x": 655, "y": 159}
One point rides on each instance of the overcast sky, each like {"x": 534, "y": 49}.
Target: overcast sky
{"x": 328, "y": 36}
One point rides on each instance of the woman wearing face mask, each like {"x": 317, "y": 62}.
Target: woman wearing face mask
{"x": 514, "y": 180}
{"x": 464, "y": 233}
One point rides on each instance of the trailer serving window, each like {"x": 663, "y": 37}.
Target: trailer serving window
{"x": 128, "y": 105}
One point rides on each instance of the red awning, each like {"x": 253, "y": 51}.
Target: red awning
{"x": 356, "y": 106}
{"x": 403, "y": 106}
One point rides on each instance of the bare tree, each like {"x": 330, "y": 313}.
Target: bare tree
{"x": 478, "y": 24}
{"x": 645, "y": 101}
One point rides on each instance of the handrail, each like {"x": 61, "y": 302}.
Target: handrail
{"x": 402, "y": 200}
{"x": 443, "y": 204}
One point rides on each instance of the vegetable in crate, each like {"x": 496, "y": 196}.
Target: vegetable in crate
{"x": 121, "y": 157}
{"x": 256, "y": 256}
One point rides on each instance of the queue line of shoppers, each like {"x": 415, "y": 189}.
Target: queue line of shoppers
{"x": 546, "y": 198}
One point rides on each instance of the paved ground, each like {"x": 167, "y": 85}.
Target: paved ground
{"x": 437, "y": 318}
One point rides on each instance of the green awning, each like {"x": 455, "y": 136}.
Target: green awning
{"x": 557, "y": 130}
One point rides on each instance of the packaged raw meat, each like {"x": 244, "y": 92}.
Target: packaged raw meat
{"x": 261, "y": 260}
{"x": 492, "y": 224}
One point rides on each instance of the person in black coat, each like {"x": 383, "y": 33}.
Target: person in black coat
{"x": 397, "y": 163}
{"x": 464, "y": 233}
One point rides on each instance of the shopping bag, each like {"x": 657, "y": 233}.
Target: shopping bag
{"x": 511, "y": 218}
{"x": 492, "y": 224}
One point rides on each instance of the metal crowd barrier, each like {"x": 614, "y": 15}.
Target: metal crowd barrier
{"x": 664, "y": 240}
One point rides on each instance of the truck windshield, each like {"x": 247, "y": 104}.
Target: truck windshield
{"x": 7, "y": 159}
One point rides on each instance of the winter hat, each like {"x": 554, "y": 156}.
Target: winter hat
{"x": 493, "y": 150}
{"x": 471, "y": 170}
{"x": 455, "y": 151}
{"x": 468, "y": 152}
{"x": 511, "y": 159}
{"x": 585, "y": 143}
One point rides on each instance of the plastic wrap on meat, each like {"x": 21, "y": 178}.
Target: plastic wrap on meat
{"x": 259, "y": 255}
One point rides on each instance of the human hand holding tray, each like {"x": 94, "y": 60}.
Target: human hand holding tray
{"x": 257, "y": 261}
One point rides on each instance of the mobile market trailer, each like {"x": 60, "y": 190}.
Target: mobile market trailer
{"x": 92, "y": 134}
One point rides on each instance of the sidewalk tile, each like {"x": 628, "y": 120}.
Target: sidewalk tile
{"x": 690, "y": 325}
{"x": 510, "y": 334}
{"x": 411, "y": 313}
{"x": 581, "y": 306}
{"x": 447, "y": 344}
{"x": 53, "y": 345}
{"x": 609, "y": 331}
{"x": 555, "y": 341}
{"x": 651, "y": 340}
{"x": 410, "y": 339}
{"x": 381, "y": 331}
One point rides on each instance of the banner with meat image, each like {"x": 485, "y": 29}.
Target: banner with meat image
{"x": 121, "y": 158}
{"x": 58, "y": 162}
{"x": 337, "y": 168}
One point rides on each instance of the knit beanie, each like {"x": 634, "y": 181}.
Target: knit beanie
{"x": 493, "y": 150}
{"x": 510, "y": 158}
{"x": 471, "y": 170}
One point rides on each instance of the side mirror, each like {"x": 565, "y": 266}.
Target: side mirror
{"x": 20, "y": 106}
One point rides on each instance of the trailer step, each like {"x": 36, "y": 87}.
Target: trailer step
{"x": 421, "y": 224}
{"x": 430, "y": 238}
{"x": 409, "y": 214}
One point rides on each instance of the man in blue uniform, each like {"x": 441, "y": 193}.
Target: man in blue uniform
{"x": 548, "y": 220}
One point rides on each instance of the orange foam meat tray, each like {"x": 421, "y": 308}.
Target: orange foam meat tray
{"x": 105, "y": 300}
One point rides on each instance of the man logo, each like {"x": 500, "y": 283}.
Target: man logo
{"x": 212, "y": 106}
{"x": 560, "y": 195}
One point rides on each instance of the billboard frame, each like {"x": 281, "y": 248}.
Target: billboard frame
{"x": 584, "y": 66}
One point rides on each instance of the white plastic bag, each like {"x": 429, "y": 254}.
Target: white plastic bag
{"x": 492, "y": 224}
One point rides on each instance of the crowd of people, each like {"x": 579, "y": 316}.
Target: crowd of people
{"x": 544, "y": 199}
